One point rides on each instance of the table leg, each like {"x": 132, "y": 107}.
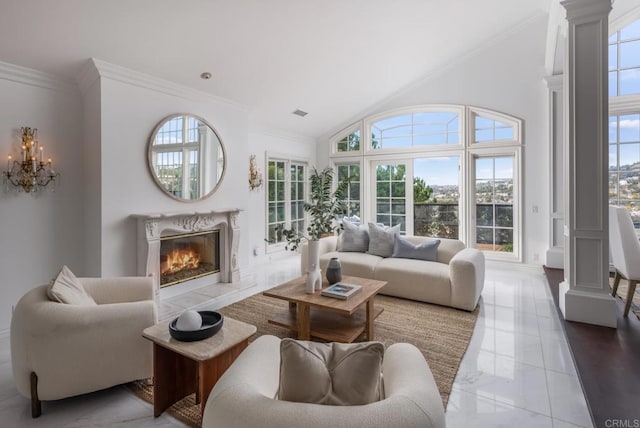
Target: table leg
{"x": 303, "y": 322}
{"x": 369, "y": 322}
{"x": 174, "y": 377}
{"x": 211, "y": 370}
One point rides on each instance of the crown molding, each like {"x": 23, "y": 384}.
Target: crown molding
{"x": 121, "y": 74}
{"x": 579, "y": 11}
{"x": 29, "y": 76}
{"x": 87, "y": 76}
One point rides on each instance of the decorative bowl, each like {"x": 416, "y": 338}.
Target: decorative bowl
{"x": 211, "y": 324}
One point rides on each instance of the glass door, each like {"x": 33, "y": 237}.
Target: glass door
{"x": 393, "y": 190}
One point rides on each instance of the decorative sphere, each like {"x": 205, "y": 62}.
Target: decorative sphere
{"x": 189, "y": 321}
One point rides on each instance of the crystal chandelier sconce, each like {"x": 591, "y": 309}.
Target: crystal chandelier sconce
{"x": 30, "y": 173}
{"x": 255, "y": 176}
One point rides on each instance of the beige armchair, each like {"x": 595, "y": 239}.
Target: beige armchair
{"x": 245, "y": 396}
{"x": 60, "y": 350}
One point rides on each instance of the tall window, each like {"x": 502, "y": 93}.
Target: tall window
{"x": 494, "y": 203}
{"x": 443, "y": 171}
{"x": 352, "y": 195}
{"x": 624, "y": 119}
{"x": 624, "y": 163}
{"x": 436, "y": 196}
{"x": 624, "y": 61}
{"x": 286, "y": 190}
{"x": 391, "y": 194}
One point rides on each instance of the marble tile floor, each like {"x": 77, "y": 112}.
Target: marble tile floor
{"x": 517, "y": 370}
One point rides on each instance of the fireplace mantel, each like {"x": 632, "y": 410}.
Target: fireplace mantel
{"x": 153, "y": 226}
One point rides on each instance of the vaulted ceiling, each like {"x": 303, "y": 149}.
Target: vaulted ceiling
{"x": 331, "y": 58}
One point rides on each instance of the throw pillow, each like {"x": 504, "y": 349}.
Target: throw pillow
{"x": 405, "y": 249}
{"x": 66, "y": 288}
{"x": 354, "y": 238}
{"x": 339, "y": 374}
{"x": 381, "y": 240}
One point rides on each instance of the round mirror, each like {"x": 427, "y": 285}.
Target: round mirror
{"x": 186, "y": 157}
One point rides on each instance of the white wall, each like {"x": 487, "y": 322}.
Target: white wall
{"x": 131, "y": 105}
{"x": 42, "y": 233}
{"x": 504, "y": 75}
{"x": 261, "y": 142}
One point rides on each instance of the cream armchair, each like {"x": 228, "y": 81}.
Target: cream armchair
{"x": 244, "y": 397}
{"x": 60, "y": 350}
{"x": 625, "y": 251}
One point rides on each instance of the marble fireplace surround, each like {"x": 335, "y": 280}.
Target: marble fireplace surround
{"x": 151, "y": 227}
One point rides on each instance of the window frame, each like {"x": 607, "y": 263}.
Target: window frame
{"x": 474, "y": 112}
{"x": 369, "y": 121}
{"x": 470, "y": 219}
{"x": 336, "y": 138}
{"x": 620, "y": 105}
{"x": 466, "y": 151}
{"x": 351, "y": 160}
{"x": 289, "y": 161}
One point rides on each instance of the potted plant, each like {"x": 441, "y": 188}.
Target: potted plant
{"x": 324, "y": 207}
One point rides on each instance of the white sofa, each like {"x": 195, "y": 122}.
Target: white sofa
{"x": 245, "y": 396}
{"x": 456, "y": 279}
{"x": 60, "y": 350}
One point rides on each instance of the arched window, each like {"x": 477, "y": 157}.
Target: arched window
{"x": 446, "y": 171}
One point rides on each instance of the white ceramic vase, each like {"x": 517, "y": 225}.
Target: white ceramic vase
{"x": 314, "y": 276}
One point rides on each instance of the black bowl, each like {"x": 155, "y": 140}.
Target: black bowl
{"x": 211, "y": 324}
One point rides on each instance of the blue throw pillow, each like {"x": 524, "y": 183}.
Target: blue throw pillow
{"x": 405, "y": 249}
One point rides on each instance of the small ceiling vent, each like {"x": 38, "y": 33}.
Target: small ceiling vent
{"x": 300, "y": 113}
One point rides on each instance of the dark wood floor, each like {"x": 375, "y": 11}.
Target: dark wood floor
{"x": 608, "y": 363}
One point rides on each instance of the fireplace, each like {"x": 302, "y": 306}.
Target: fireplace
{"x": 189, "y": 256}
{"x": 213, "y": 235}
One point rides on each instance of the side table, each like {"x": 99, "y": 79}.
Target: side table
{"x": 182, "y": 368}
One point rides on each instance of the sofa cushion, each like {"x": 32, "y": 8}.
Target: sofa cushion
{"x": 330, "y": 373}
{"x": 381, "y": 239}
{"x": 415, "y": 279}
{"x": 66, "y": 288}
{"x": 403, "y": 248}
{"x": 353, "y": 264}
{"x": 446, "y": 250}
{"x": 354, "y": 238}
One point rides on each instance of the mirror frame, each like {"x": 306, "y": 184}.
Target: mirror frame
{"x": 152, "y": 138}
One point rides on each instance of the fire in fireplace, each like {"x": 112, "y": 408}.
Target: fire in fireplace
{"x": 190, "y": 256}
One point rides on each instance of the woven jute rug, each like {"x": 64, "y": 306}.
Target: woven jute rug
{"x": 623, "y": 288}
{"x": 441, "y": 333}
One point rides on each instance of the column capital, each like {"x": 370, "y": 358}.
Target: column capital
{"x": 586, "y": 10}
{"x": 555, "y": 82}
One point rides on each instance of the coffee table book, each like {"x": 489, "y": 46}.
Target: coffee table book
{"x": 341, "y": 290}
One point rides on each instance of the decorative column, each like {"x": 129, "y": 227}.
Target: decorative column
{"x": 555, "y": 253}
{"x": 584, "y": 294}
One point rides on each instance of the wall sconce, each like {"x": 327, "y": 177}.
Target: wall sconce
{"x": 255, "y": 176}
{"x": 31, "y": 172}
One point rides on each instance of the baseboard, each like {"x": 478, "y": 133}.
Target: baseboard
{"x": 520, "y": 267}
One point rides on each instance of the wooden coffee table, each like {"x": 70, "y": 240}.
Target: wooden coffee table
{"x": 328, "y": 318}
{"x": 182, "y": 368}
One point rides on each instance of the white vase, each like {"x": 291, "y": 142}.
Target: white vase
{"x": 314, "y": 276}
